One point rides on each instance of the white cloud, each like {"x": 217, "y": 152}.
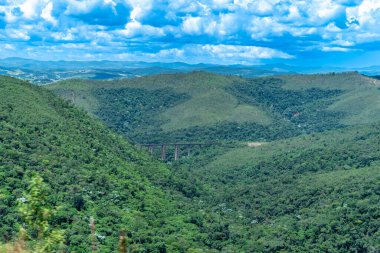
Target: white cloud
{"x": 192, "y": 25}
{"x": 188, "y": 6}
{"x": 261, "y": 28}
{"x": 222, "y": 4}
{"x": 46, "y": 14}
{"x": 18, "y": 34}
{"x": 30, "y": 8}
{"x": 170, "y": 53}
{"x": 344, "y": 43}
{"x": 140, "y": 8}
{"x": 9, "y": 47}
{"x": 222, "y": 26}
{"x": 242, "y": 52}
{"x": 216, "y": 54}
{"x": 136, "y": 29}
{"x": 367, "y": 14}
{"x": 81, "y": 7}
{"x": 335, "y": 49}
{"x": 59, "y": 36}
{"x": 262, "y": 7}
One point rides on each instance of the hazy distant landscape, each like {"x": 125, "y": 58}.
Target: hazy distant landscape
{"x": 45, "y": 72}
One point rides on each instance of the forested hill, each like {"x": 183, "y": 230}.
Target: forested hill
{"x": 311, "y": 193}
{"x": 205, "y": 106}
{"x": 91, "y": 172}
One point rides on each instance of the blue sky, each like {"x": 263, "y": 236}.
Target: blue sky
{"x": 307, "y": 32}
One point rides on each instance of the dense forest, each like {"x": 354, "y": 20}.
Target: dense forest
{"x": 204, "y": 106}
{"x": 313, "y": 193}
{"x": 312, "y": 185}
{"x": 91, "y": 171}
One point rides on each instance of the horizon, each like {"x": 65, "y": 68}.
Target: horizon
{"x": 334, "y": 68}
{"x": 337, "y": 33}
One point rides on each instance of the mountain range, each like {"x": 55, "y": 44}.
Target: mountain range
{"x": 43, "y": 72}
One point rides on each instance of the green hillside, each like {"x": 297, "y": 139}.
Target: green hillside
{"x": 360, "y": 101}
{"x": 205, "y": 106}
{"x": 194, "y": 109}
{"x": 313, "y": 193}
{"x": 91, "y": 172}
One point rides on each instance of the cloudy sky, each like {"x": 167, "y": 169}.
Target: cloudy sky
{"x": 312, "y": 32}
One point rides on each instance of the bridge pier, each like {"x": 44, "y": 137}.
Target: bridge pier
{"x": 176, "y": 152}
{"x": 163, "y": 152}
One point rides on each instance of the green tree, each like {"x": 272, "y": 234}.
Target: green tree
{"x": 36, "y": 214}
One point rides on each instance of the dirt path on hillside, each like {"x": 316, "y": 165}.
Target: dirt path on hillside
{"x": 256, "y": 144}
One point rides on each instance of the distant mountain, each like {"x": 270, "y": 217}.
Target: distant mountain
{"x": 42, "y": 72}
{"x": 371, "y": 71}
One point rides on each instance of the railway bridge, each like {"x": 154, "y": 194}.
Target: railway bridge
{"x": 177, "y": 148}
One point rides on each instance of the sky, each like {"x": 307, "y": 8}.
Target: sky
{"x": 300, "y": 32}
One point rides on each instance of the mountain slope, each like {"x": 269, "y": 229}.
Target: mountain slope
{"x": 164, "y": 103}
{"x": 91, "y": 171}
{"x": 204, "y": 106}
{"x": 312, "y": 193}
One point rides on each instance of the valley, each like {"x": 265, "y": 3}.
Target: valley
{"x": 294, "y": 164}
{"x": 320, "y": 154}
